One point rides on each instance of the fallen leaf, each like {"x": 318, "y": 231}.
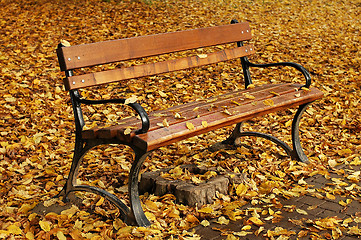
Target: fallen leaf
{"x": 202, "y": 55}
{"x": 190, "y": 126}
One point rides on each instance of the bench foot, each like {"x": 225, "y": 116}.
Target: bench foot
{"x": 133, "y": 216}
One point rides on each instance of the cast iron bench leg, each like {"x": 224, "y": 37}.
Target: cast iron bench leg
{"x": 71, "y": 186}
{"x": 135, "y": 205}
{"x": 297, "y": 153}
{"x": 297, "y": 148}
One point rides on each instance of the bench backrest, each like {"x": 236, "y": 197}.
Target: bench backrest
{"x": 87, "y": 55}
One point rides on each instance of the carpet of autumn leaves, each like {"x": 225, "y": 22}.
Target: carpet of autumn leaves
{"x": 36, "y": 134}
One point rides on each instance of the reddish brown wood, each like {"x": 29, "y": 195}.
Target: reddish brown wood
{"x": 283, "y": 95}
{"x": 177, "y": 132}
{"x": 137, "y": 47}
{"x": 187, "y": 110}
{"x": 97, "y": 78}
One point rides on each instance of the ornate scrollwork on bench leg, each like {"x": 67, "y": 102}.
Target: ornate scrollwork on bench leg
{"x": 71, "y": 186}
{"x": 237, "y": 133}
{"x": 135, "y": 204}
{"x": 297, "y": 152}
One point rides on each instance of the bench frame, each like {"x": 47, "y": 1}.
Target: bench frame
{"x": 135, "y": 214}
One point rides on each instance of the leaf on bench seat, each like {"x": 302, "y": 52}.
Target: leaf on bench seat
{"x": 204, "y": 124}
{"x": 190, "y": 125}
{"x": 248, "y": 96}
{"x": 178, "y": 116}
{"x": 202, "y": 55}
{"x": 268, "y": 102}
{"x": 127, "y": 131}
{"x": 227, "y": 112}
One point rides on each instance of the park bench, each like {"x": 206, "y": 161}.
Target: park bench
{"x": 148, "y": 130}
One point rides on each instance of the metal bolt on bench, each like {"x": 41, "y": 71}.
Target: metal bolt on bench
{"x": 150, "y": 135}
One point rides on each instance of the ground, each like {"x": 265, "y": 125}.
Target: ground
{"x": 37, "y": 134}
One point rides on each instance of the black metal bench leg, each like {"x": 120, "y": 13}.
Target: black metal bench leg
{"x": 71, "y": 186}
{"x": 79, "y": 152}
{"x": 237, "y": 133}
{"x": 136, "y": 207}
{"x": 297, "y": 148}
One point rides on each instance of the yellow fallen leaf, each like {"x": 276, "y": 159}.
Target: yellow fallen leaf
{"x": 249, "y": 96}
{"x": 274, "y": 93}
{"x": 65, "y": 43}
{"x": 301, "y": 211}
{"x": 222, "y": 220}
{"x": 205, "y": 223}
{"x": 227, "y": 112}
{"x": 247, "y": 227}
{"x": 237, "y": 103}
{"x": 162, "y": 94}
{"x": 151, "y": 205}
{"x": 127, "y": 131}
{"x": 330, "y": 196}
{"x": 127, "y": 229}
{"x": 241, "y": 234}
{"x": 117, "y": 224}
{"x": 190, "y": 126}
{"x": 204, "y": 124}
{"x": 191, "y": 218}
{"x": 45, "y": 225}
{"x": 256, "y": 221}
{"x": 332, "y": 163}
{"x": 268, "y": 102}
{"x": 132, "y": 99}
{"x": 356, "y": 161}
{"x": 251, "y": 86}
{"x": 60, "y": 235}
{"x": 241, "y": 189}
{"x": 178, "y": 116}
{"x": 14, "y": 229}
{"x": 165, "y": 123}
{"x": 205, "y": 210}
{"x": 196, "y": 180}
{"x": 100, "y": 202}
{"x": 202, "y": 55}
{"x": 29, "y": 235}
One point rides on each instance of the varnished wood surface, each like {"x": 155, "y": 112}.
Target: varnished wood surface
{"x": 239, "y": 107}
{"x": 92, "y": 54}
{"x": 98, "y": 78}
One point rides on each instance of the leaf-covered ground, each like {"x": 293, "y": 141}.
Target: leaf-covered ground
{"x": 36, "y": 134}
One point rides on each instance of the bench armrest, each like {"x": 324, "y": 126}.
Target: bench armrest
{"x": 136, "y": 106}
{"x": 297, "y": 66}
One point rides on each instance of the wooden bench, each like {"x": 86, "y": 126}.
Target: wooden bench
{"x": 150, "y": 131}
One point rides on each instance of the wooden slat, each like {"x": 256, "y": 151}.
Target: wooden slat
{"x": 130, "y": 48}
{"x": 97, "y": 78}
{"x": 177, "y": 132}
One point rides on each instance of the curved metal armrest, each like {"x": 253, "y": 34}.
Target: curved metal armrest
{"x": 297, "y": 66}
{"x": 136, "y": 106}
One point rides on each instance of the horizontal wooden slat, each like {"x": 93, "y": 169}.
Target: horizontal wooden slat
{"x": 130, "y": 48}
{"x": 97, "y": 78}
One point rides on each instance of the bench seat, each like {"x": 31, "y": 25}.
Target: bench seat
{"x": 206, "y": 115}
